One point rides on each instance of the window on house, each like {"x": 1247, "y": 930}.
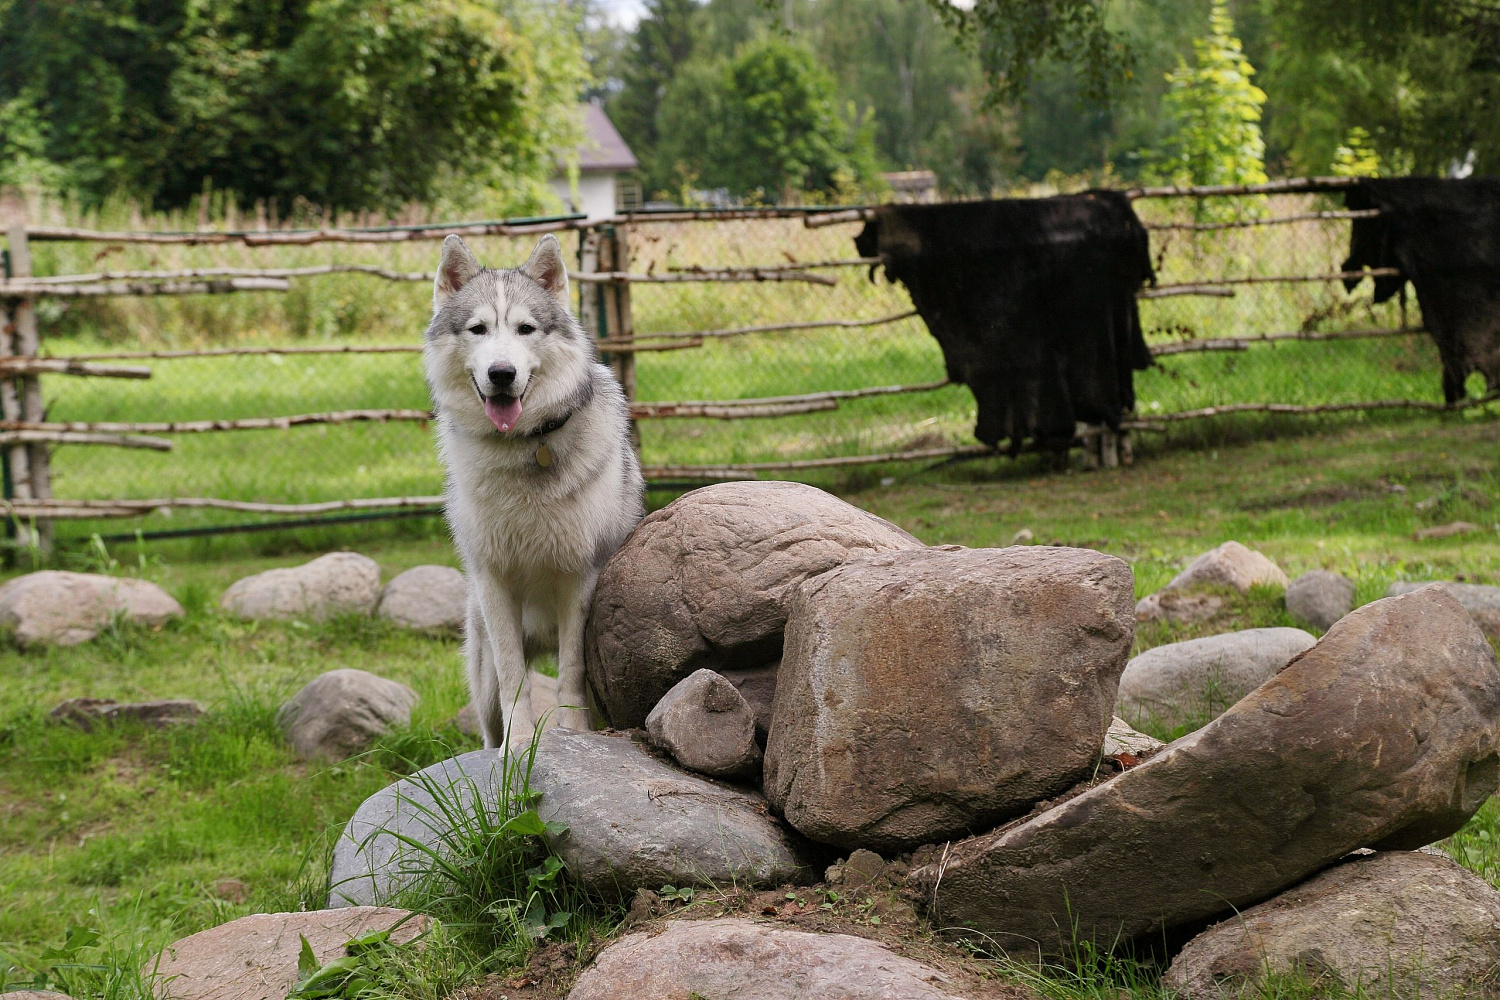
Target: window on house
{"x": 628, "y": 195}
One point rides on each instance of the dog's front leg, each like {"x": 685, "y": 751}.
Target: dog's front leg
{"x": 574, "y": 592}
{"x": 501, "y": 611}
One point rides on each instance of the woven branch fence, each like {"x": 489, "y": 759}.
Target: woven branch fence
{"x": 647, "y": 306}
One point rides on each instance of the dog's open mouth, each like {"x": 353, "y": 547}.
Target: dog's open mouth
{"x": 504, "y": 411}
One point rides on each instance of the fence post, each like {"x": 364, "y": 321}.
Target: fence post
{"x": 607, "y": 313}
{"x": 21, "y": 399}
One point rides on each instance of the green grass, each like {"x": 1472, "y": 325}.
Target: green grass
{"x": 127, "y": 831}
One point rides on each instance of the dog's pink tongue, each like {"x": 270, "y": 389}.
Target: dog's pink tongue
{"x": 503, "y": 415}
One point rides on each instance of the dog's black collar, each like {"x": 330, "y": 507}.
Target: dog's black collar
{"x": 551, "y": 425}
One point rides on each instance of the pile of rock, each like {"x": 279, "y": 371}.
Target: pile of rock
{"x": 813, "y": 682}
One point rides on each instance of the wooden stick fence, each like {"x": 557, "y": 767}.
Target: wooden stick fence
{"x": 606, "y": 280}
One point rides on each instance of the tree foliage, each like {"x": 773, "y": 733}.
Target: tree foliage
{"x": 764, "y": 123}
{"x": 1421, "y": 77}
{"x": 1217, "y": 111}
{"x": 350, "y": 104}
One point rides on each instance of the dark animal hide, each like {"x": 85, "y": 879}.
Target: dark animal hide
{"x": 1444, "y": 235}
{"x": 1032, "y": 301}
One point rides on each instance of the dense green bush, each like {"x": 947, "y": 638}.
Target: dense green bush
{"x": 349, "y": 104}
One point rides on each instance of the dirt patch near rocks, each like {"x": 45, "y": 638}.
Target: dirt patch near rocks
{"x": 880, "y": 909}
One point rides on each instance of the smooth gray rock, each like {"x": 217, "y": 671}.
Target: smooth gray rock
{"x": 705, "y": 582}
{"x": 338, "y": 583}
{"x": 1481, "y": 602}
{"x": 1395, "y": 923}
{"x": 1231, "y": 565}
{"x": 719, "y": 959}
{"x": 1386, "y": 734}
{"x": 1193, "y": 681}
{"x": 372, "y": 864}
{"x": 343, "y": 712}
{"x": 1320, "y": 598}
{"x": 636, "y": 822}
{"x": 85, "y": 713}
{"x": 431, "y": 598}
{"x": 61, "y": 608}
{"x": 707, "y": 727}
{"x": 930, "y": 693}
{"x": 255, "y": 957}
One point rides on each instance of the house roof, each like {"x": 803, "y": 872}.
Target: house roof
{"x": 602, "y": 147}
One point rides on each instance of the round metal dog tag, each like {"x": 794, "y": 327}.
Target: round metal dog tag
{"x": 544, "y": 456}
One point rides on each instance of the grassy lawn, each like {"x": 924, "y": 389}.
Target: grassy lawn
{"x": 131, "y": 833}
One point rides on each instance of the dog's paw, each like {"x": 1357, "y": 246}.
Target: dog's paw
{"x": 576, "y": 719}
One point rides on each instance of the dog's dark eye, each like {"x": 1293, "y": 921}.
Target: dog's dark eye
{"x": 478, "y": 329}
{"x": 525, "y": 328}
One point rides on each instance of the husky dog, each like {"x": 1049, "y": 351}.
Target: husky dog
{"x": 542, "y": 483}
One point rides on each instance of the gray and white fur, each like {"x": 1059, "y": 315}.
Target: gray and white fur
{"x": 542, "y": 483}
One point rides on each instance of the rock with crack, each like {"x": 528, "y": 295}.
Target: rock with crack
{"x": 931, "y": 693}
{"x": 707, "y": 726}
{"x": 705, "y": 582}
{"x": 60, "y": 608}
{"x": 634, "y": 821}
{"x": 1386, "y": 734}
{"x": 337, "y": 583}
{"x": 343, "y": 712}
{"x": 86, "y": 713}
{"x": 1320, "y": 598}
{"x": 255, "y": 957}
{"x": 429, "y": 598}
{"x": 1394, "y": 923}
{"x": 1481, "y": 602}
{"x": 1192, "y": 682}
{"x": 744, "y": 958}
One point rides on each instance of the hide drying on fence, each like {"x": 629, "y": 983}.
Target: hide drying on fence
{"x": 1032, "y": 302}
{"x": 1444, "y": 235}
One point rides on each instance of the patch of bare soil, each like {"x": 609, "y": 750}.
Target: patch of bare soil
{"x": 881, "y": 909}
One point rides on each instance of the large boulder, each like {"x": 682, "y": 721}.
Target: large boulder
{"x": 1230, "y": 565}
{"x": 930, "y": 693}
{"x": 1481, "y": 602}
{"x": 1192, "y": 682}
{"x": 724, "y": 958}
{"x": 1320, "y": 598}
{"x": 64, "y": 609}
{"x": 338, "y": 583}
{"x": 1395, "y": 923}
{"x": 431, "y": 598}
{"x": 343, "y": 712}
{"x": 707, "y": 726}
{"x": 1386, "y": 734}
{"x": 255, "y": 957}
{"x": 634, "y": 821}
{"x": 706, "y": 580}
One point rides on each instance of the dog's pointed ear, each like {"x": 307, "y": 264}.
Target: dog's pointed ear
{"x": 455, "y": 270}
{"x": 545, "y": 266}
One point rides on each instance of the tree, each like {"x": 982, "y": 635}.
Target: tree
{"x": 1217, "y": 111}
{"x": 1421, "y": 77}
{"x": 350, "y": 104}
{"x": 664, "y": 40}
{"x": 765, "y": 123}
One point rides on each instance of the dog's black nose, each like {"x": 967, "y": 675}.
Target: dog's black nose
{"x": 501, "y": 376}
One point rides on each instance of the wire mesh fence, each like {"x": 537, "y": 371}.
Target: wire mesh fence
{"x": 793, "y": 313}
